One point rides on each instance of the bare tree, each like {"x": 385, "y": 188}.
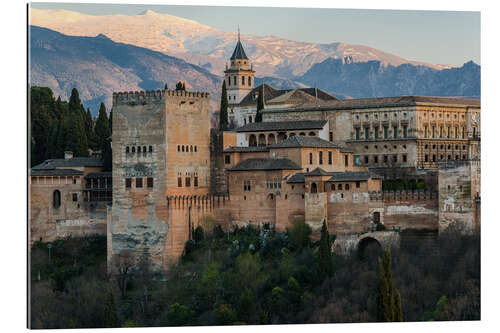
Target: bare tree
{"x": 123, "y": 264}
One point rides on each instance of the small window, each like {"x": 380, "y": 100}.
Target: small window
{"x": 340, "y": 187}
{"x": 75, "y": 197}
{"x": 366, "y": 159}
{"x": 358, "y": 184}
{"x": 138, "y": 182}
{"x": 150, "y": 182}
{"x": 404, "y": 158}
{"x": 56, "y": 199}
{"x": 227, "y": 159}
{"x": 310, "y": 158}
{"x": 150, "y": 149}
{"x": 331, "y": 136}
{"x": 178, "y": 148}
{"x": 128, "y": 182}
{"x": 195, "y": 181}
{"x": 191, "y": 149}
{"x": 127, "y": 149}
{"x": 179, "y": 181}
{"x": 195, "y": 149}
{"x": 332, "y": 187}
{"x": 347, "y": 187}
{"x": 74, "y": 180}
{"x": 139, "y": 149}
{"x": 188, "y": 182}
{"x": 144, "y": 149}
{"x": 330, "y": 157}
{"x": 183, "y": 148}
{"x": 133, "y": 150}
{"x": 346, "y": 160}
{"x": 320, "y": 157}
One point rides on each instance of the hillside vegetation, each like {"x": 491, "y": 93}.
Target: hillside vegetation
{"x": 256, "y": 276}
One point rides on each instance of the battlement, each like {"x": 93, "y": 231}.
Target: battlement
{"x": 188, "y": 94}
{"x": 139, "y": 97}
{"x": 154, "y": 96}
{"x": 403, "y": 195}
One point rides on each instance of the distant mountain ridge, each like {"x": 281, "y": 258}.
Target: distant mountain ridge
{"x": 372, "y": 79}
{"x": 208, "y": 47}
{"x": 97, "y": 66}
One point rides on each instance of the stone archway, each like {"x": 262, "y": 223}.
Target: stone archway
{"x": 314, "y": 188}
{"x": 369, "y": 248}
{"x": 271, "y": 139}
{"x": 262, "y": 140}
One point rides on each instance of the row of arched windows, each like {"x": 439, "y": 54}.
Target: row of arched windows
{"x": 187, "y": 148}
{"x": 272, "y": 139}
{"x": 138, "y": 149}
{"x": 187, "y": 179}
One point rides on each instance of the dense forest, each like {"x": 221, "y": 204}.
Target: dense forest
{"x": 257, "y": 276}
{"x": 57, "y": 126}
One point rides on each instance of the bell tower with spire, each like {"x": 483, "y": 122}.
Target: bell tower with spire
{"x": 239, "y": 75}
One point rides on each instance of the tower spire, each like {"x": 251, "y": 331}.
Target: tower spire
{"x": 238, "y": 32}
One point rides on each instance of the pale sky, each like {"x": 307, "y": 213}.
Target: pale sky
{"x": 439, "y": 37}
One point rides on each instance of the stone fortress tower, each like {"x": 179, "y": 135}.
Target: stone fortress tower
{"x": 239, "y": 76}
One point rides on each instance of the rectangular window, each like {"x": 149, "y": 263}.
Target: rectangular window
{"x": 405, "y": 131}
{"x": 320, "y": 157}
{"x": 242, "y": 80}
{"x": 376, "y": 132}
{"x": 426, "y": 159}
{"x": 358, "y": 184}
{"x": 75, "y": 196}
{"x": 433, "y": 131}
{"x": 188, "y": 182}
{"x": 463, "y": 132}
{"x": 386, "y": 132}
{"x": 346, "y": 160}
{"x": 234, "y": 80}
{"x": 441, "y": 132}
{"x": 150, "y": 182}
{"x": 128, "y": 182}
{"x": 330, "y": 157}
{"x": 367, "y": 133}
{"x": 195, "y": 181}
{"x": 385, "y": 158}
{"x": 456, "y": 132}
{"x": 331, "y": 136}
{"x": 404, "y": 158}
{"x": 395, "y": 158}
{"x": 375, "y": 159}
{"x": 425, "y": 131}
{"x": 138, "y": 182}
{"x": 179, "y": 181}
{"x": 310, "y": 158}
{"x": 227, "y": 159}
{"x": 367, "y": 159}
{"x": 448, "y": 132}
{"x": 357, "y": 133}
{"x": 395, "y": 131}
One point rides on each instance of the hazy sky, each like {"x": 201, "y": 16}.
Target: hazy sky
{"x": 432, "y": 36}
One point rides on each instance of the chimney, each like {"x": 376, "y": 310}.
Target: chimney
{"x": 68, "y": 155}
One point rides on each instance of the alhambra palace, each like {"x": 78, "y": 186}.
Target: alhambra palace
{"x": 313, "y": 158}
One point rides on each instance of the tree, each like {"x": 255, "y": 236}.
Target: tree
{"x": 298, "y": 235}
{"x": 225, "y": 315}
{"x": 42, "y": 114}
{"x": 74, "y": 136}
{"x": 166, "y": 87}
{"x": 260, "y": 105}
{"x": 325, "y": 258}
{"x": 89, "y": 130}
{"x": 123, "y": 263}
{"x": 102, "y": 130}
{"x": 110, "y": 313}
{"x": 389, "y": 306}
{"x": 180, "y": 86}
{"x": 223, "y": 118}
{"x": 179, "y": 315}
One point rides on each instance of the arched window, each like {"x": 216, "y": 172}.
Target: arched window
{"x": 195, "y": 149}
{"x": 234, "y": 80}
{"x": 144, "y": 149}
{"x": 151, "y": 149}
{"x": 56, "y": 199}
{"x": 252, "y": 141}
{"x": 314, "y": 188}
{"x": 242, "y": 80}
{"x": 340, "y": 187}
{"x": 191, "y": 148}
{"x": 139, "y": 149}
{"x": 347, "y": 187}
{"x": 312, "y": 134}
{"x": 302, "y": 134}
{"x": 182, "y": 148}
{"x": 262, "y": 140}
{"x": 271, "y": 139}
{"x": 178, "y": 148}
{"x": 133, "y": 149}
{"x": 333, "y": 187}
{"x": 127, "y": 149}
{"x": 249, "y": 80}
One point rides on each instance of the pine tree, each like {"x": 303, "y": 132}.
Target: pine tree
{"x": 325, "y": 258}
{"x": 389, "y": 306}
{"x": 260, "y": 105}
{"x": 223, "y": 120}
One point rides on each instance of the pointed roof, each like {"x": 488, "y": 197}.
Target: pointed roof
{"x": 239, "y": 53}
{"x": 318, "y": 172}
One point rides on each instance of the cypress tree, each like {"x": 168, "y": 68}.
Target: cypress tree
{"x": 89, "y": 130}
{"x": 102, "y": 130}
{"x": 389, "y": 306}
{"x": 42, "y": 114}
{"x": 74, "y": 127}
{"x": 325, "y": 258}
{"x": 166, "y": 86}
{"x": 260, "y": 105}
{"x": 223, "y": 121}
{"x": 180, "y": 86}
{"x": 111, "y": 121}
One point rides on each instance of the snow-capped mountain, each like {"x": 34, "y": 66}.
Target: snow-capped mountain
{"x": 208, "y": 47}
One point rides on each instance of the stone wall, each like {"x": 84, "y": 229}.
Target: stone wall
{"x": 73, "y": 218}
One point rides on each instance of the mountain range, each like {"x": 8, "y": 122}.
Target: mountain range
{"x": 102, "y": 54}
